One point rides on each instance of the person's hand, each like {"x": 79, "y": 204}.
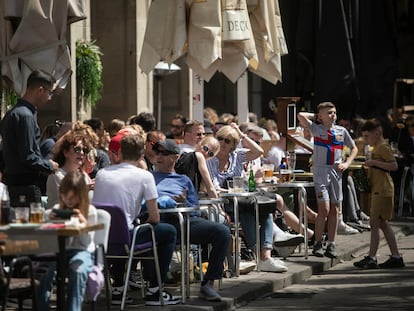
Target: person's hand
{"x": 342, "y": 167}
{"x": 55, "y": 165}
{"x": 182, "y": 197}
{"x": 236, "y": 127}
{"x": 78, "y": 213}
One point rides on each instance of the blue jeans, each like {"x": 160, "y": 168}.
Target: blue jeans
{"x": 203, "y": 231}
{"x": 166, "y": 237}
{"x": 80, "y": 263}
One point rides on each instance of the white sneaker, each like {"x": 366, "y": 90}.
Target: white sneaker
{"x": 288, "y": 239}
{"x": 346, "y": 230}
{"x": 271, "y": 265}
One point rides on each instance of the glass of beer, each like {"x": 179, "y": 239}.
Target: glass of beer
{"x": 36, "y": 213}
{"x": 268, "y": 172}
{"x": 22, "y": 215}
{"x": 286, "y": 175}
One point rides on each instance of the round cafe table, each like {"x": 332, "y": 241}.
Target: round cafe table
{"x": 236, "y": 196}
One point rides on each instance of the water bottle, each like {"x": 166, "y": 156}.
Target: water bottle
{"x": 5, "y": 207}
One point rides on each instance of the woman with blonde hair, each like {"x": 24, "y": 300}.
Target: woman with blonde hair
{"x": 230, "y": 162}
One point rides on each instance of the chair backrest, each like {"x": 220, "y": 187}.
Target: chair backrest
{"x": 102, "y": 236}
{"x": 119, "y": 236}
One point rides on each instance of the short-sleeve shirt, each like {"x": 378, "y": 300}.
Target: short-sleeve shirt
{"x": 125, "y": 185}
{"x": 329, "y": 143}
{"x": 380, "y": 180}
{"x": 236, "y": 160}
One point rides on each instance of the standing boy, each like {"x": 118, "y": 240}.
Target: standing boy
{"x": 379, "y": 165}
{"x": 329, "y": 141}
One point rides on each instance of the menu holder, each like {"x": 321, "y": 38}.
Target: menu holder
{"x": 301, "y": 141}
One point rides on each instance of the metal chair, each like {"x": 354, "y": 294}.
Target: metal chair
{"x": 16, "y": 286}
{"x": 122, "y": 245}
{"x": 406, "y": 189}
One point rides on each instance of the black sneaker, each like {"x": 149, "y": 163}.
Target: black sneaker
{"x": 392, "y": 262}
{"x": 366, "y": 263}
{"x": 318, "y": 249}
{"x": 153, "y": 299}
{"x": 134, "y": 281}
{"x": 117, "y": 296}
{"x": 331, "y": 251}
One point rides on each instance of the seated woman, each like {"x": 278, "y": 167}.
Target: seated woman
{"x": 70, "y": 152}
{"x": 229, "y": 163}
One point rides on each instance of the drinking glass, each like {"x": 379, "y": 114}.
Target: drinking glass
{"x": 36, "y": 213}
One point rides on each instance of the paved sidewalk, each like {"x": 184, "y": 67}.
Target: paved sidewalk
{"x": 238, "y": 291}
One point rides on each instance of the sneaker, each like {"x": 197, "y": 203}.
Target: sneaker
{"x": 346, "y": 230}
{"x": 288, "y": 239}
{"x": 317, "y": 249}
{"x": 366, "y": 263}
{"x": 134, "y": 280}
{"x": 392, "y": 262}
{"x": 272, "y": 265}
{"x": 331, "y": 251}
{"x": 363, "y": 216}
{"x": 208, "y": 292}
{"x": 153, "y": 299}
{"x": 117, "y": 293}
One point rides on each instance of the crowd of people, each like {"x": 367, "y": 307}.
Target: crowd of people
{"x": 129, "y": 163}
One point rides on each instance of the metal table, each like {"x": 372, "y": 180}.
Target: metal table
{"x": 185, "y": 245}
{"x": 303, "y": 201}
{"x": 235, "y": 196}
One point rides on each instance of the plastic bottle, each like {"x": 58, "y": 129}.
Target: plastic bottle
{"x": 5, "y": 207}
{"x": 251, "y": 182}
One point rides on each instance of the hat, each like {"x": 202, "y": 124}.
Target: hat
{"x": 115, "y": 143}
{"x": 168, "y": 145}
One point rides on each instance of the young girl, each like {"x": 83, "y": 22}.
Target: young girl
{"x": 73, "y": 195}
{"x": 382, "y": 197}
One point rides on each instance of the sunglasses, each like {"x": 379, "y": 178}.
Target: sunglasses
{"x": 78, "y": 149}
{"x": 257, "y": 142}
{"x": 226, "y": 140}
{"x": 163, "y": 152}
{"x": 209, "y": 153}
{"x": 200, "y": 134}
{"x": 49, "y": 92}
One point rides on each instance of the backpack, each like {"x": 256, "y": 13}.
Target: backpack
{"x": 187, "y": 165}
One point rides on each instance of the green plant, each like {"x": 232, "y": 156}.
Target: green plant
{"x": 89, "y": 72}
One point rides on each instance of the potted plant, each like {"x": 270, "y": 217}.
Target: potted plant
{"x": 88, "y": 72}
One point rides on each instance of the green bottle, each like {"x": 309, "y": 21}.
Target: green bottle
{"x": 251, "y": 182}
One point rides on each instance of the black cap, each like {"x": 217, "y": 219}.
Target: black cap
{"x": 168, "y": 145}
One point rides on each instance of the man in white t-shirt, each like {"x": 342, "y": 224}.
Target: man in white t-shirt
{"x": 126, "y": 185}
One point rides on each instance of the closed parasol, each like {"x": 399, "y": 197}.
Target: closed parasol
{"x": 229, "y": 36}
{"x": 38, "y": 39}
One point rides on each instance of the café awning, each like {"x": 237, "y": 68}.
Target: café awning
{"x": 229, "y": 36}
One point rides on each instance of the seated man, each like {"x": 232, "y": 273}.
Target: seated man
{"x": 126, "y": 185}
{"x": 202, "y": 231}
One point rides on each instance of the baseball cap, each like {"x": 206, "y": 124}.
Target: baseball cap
{"x": 169, "y": 145}
{"x": 115, "y": 143}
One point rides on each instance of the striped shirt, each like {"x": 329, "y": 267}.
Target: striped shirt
{"x": 236, "y": 159}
